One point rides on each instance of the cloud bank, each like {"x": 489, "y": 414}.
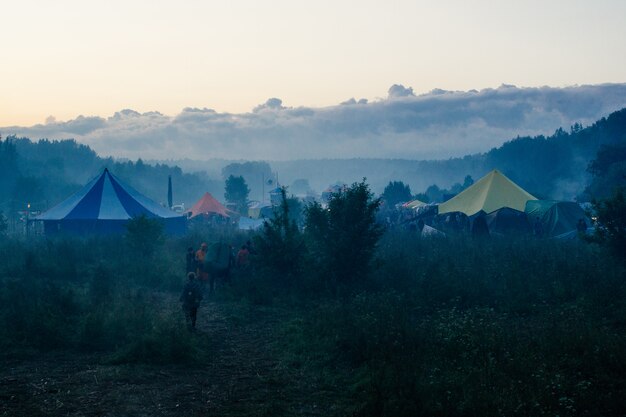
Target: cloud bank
{"x": 440, "y": 124}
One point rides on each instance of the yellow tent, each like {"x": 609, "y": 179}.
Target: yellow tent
{"x": 490, "y": 193}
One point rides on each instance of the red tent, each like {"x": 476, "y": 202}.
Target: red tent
{"x": 208, "y": 205}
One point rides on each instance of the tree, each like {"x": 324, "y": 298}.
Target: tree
{"x": 611, "y": 227}
{"x": 434, "y": 193}
{"x": 608, "y": 170}
{"x": 295, "y": 210}
{"x": 9, "y": 167}
{"x": 468, "y": 182}
{"x": 280, "y": 246}
{"x": 422, "y": 197}
{"x": 256, "y": 173}
{"x": 577, "y": 127}
{"x": 343, "y": 237}
{"x": 27, "y": 190}
{"x": 237, "y": 192}
{"x": 396, "y": 192}
{"x": 3, "y": 224}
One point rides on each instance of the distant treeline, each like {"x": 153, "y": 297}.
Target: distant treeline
{"x": 556, "y": 166}
{"x": 547, "y": 167}
{"x": 559, "y": 166}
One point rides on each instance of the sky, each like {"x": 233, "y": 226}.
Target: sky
{"x": 65, "y": 59}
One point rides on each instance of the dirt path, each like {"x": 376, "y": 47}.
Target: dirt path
{"x": 244, "y": 377}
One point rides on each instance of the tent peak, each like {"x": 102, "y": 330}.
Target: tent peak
{"x": 492, "y": 192}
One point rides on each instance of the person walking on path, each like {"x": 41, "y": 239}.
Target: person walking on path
{"x": 190, "y": 259}
{"x": 191, "y": 297}
{"x": 243, "y": 257}
{"x": 201, "y": 273}
{"x": 250, "y": 247}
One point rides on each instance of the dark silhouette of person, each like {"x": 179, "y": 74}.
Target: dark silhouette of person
{"x": 243, "y": 257}
{"x": 581, "y": 226}
{"x": 191, "y": 260}
{"x": 250, "y": 247}
{"x": 191, "y": 297}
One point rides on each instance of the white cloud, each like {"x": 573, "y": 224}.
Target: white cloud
{"x": 398, "y": 90}
{"x": 439, "y": 124}
{"x": 271, "y": 104}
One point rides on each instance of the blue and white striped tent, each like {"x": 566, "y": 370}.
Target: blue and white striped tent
{"x": 103, "y": 206}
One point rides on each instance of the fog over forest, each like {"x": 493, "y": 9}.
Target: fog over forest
{"x": 437, "y": 125}
{"x": 44, "y": 172}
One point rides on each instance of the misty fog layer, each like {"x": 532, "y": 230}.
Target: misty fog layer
{"x": 440, "y": 124}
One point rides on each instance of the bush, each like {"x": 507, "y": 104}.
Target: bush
{"x": 36, "y": 313}
{"x": 343, "y": 237}
{"x": 63, "y": 294}
{"x": 611, "y": 230}
{"x": 455, "y": 327}
{"x": 280, "y": 247}
{"x": 405, "y": 361}
{"x": 144, "y": 235}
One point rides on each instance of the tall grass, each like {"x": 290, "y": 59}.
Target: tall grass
{"x": 442, "y": 327}
{"x": 97, "y": 294}
{"x": 459, "y": 327}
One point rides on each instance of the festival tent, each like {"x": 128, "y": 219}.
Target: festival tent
{"x": 258, "y": 210}
{"x": 557, "y": 217}
{"x": 413, "y": 204}
{"x": 207, "y": 206}
{"x": 248, "y": 223}
{"x": 506, "y": 221}
{"x": 104, "y": 206}
{"x": 490, "y": 193}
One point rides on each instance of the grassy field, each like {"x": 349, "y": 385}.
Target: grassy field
{"x": 442, "y": 327}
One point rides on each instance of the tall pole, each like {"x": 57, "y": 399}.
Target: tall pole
{"x": 27, "y": 217}
{"x": 169, "y": 192}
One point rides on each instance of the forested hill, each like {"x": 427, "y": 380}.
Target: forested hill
{"x": 548, "y": 167}
{"x": 44, "y": 172}
{"x": 557, "y": 166}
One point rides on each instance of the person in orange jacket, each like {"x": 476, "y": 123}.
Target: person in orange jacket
{"x": 201, "y": 273}
{"x": 243, "y": 257}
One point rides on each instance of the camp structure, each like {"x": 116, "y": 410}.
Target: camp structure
{"x": 507, "y": 221}
{"x": 248, "y": 223}
{"x": 413, "y": 204}
{"x": 208, "y": 206}
{"x": 104, "y": 206}
{"x": 336, "y": 188}
{"x": 258, "y": 210}
{"x": 492, "y": 192}
{"x": 558, "y": 218}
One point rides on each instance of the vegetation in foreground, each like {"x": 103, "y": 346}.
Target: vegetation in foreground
{"x": 394, "y": 324}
